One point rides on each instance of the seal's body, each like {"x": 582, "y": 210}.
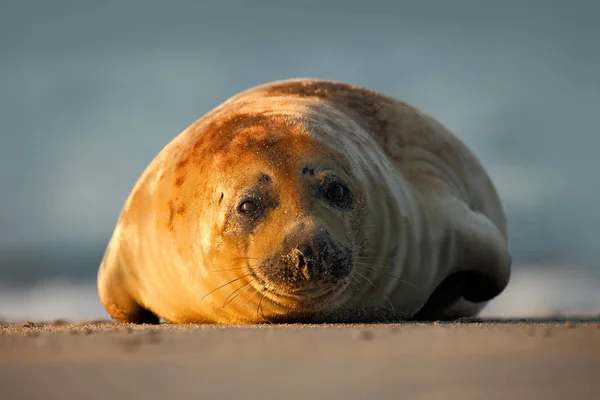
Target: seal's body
{"x": 308, "y": 201}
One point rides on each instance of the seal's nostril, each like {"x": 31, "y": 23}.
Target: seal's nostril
{"x": 300, "y": 260}
{"x": 304, "y": 262}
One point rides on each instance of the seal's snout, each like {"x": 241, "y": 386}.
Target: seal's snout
{"x": 313, "y": 264}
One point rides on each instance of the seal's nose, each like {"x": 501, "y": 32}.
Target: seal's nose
{"x": 314, "y": 258}
{"x": 305, "y": 262}
{"x": 317, "y": 257}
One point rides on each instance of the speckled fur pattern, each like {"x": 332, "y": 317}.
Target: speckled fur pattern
{"x": 422, "y": 233}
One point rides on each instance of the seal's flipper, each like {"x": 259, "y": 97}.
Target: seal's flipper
{"x": 115, "y": 295}
{"x": 448, "y": 302}
{"x": 131, "y": 312}
{"x": 479, "y": 260}
{"x": 482, "y": 255}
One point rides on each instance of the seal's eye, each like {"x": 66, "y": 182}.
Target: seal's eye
{"x": 336, "y": 192}
{"x": 247, "y": 207}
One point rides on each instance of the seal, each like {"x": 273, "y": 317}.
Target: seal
{"x": 307, "y": 200}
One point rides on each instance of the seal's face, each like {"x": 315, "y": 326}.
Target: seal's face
{"x": 291, "y": 210}
{"x": 288, "y": 243}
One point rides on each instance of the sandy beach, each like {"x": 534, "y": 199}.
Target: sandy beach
{"x": 467, "y": 359}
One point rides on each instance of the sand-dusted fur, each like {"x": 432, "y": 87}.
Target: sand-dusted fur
{"x": 308, "y": 200}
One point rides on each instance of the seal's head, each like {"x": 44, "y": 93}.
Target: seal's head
{"x": 286, "y": 212}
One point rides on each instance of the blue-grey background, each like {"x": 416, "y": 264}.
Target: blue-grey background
{"x": 91, "y": 91}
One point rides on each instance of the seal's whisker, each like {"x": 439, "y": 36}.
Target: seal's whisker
{"x": 360, "y": 251}
{"x": 372, "y": 268}
{"x": 238, "y": 291}
{"x": 370, "y": 258}
{"x": 250, "y": 297}
{"x": 228, "y": 283}
{"x": 370, "y": 255}
{"x": 258, "y": 309}
{"x": 374, "y": 265}
{"x": 230, "y": 269}
{"x": 353, "y": 282}
{"x": 382, "y": 292}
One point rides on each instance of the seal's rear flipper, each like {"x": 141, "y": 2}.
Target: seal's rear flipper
{"x": 115, "y": 295}
{"x": 480, "y": 266}
{"x": 482, "y": 257}
{"x": 448, "y": 300}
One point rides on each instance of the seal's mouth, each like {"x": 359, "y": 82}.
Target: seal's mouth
{"x": 282, "y": 279}
{"x": 313, "y": 292}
